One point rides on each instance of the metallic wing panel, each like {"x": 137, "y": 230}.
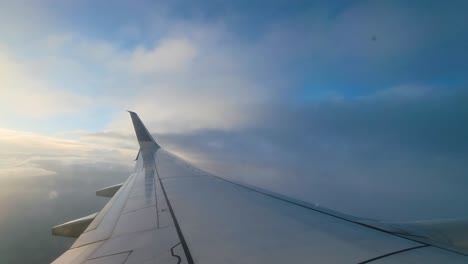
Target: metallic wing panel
{"x": 226, "y": 223}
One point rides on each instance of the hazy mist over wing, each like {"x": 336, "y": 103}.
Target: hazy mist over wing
{"x": 360, "y": 106}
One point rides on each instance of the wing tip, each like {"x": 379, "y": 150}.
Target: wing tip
{"x": 142, "y": 133}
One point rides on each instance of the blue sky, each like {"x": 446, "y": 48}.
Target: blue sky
{"x": 286, "y": 52}
{"x": 361, "y": 106}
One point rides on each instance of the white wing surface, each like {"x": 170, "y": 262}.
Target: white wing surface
{"x": 169, "y": 211}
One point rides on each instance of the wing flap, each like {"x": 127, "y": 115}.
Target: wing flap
{"x": 107, "y": 218}
{"x": 73, "y": 228}
{"x": 109, "y": 191}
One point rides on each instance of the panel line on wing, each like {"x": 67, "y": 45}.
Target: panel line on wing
{"x": 188, "y": 255}
{"x": 155, "y": 189}
{"x": 392, "y": 253}
{"x": 179, "y": 259}
{"x": 132, "y": 211}
{"x": 87, "y": 244}
{"x": 118, "y": 253}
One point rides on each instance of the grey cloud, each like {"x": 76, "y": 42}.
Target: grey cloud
{"x": 391, "y": 157}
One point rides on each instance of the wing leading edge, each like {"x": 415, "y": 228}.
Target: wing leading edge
{"x": 169, "y": 211}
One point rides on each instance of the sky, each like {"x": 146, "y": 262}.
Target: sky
{"x": 360, "y": 106}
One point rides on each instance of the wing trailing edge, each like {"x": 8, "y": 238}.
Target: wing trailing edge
{"x": 449, "y": 234}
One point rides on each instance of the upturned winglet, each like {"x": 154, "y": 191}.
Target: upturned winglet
{"x": 143, "y": 135}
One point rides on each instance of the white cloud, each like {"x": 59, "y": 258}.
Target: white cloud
{"x": 58, "y": 41}
{"x": 170, "y": 56}
{"x": 190, "y": 77}
{"x": 405, "y": 91}
{"x": 23, "y": 20}
{"x": 53, "y": 195}
{"x": 29, "y": 95}
{"x": 28, "y": 170}
{"x": 189, "y": 81}
{"x": 22, "y": 152}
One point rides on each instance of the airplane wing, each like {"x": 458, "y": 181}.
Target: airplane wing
{"x": 169, "y": 211}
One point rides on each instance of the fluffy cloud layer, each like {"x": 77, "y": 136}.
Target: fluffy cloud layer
{"x": 172, "y": 55}
{"x": 27, "y": 94}
{"x": 28, "y": 154}
{"x": 217, "y": 71}
{"x": 377, "y": 148}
